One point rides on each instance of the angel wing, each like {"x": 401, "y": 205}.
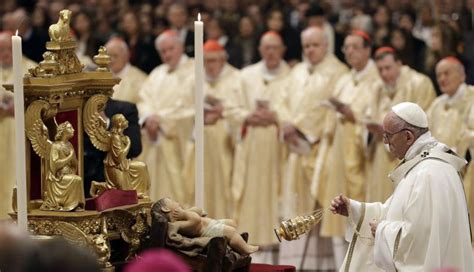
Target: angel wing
{"x": 73, "y": 234}
{"x": 36, "y": 130}
{"x": 94, "y": 124}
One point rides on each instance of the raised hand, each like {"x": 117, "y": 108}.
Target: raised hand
{"x": 340, "y": 205}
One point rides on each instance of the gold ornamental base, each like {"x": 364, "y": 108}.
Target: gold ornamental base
{"x": 93, "y": 229}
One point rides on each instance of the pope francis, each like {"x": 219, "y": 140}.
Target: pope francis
{"x": 424, "y": 225}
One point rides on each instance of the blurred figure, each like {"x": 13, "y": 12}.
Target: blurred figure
{"x": 255, "y": 191}
{"x": 311, "y": 82}
{"x": 247, "y": 41}
{"x": 7, "y": 122}
{"x": 142, "y": 51}
{"x": 177, "y": 16}
{"x": 444, "y": 42}
{"x": 316, "y": 16}
{"x": 215, "y": 31}
{"x": 57, "y": 254}
{"x": 399, "y": 83}
{"x": 131, "y": 77}
{"x": 166, "y": 127}
{"x": 415, "y": 45}
{"x": 16, "y": 249}
{"x": 33, "y": 40}
{"x": 345, "y": 140}
{"x": 221, "y": 115}
{"x": 451, "y": 117}
{"x": 276, "y": 23}
{"x": 157, "y": 260}
{"x": 382, "y": 26}
{"x": 87, "y": 44}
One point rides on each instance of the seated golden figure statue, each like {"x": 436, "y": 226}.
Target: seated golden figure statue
{"x": 193, "y": 222}
{"x": 63, "y": 190}
{"x": 120, "y": 172}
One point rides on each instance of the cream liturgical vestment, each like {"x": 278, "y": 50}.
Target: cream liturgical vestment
{"x": 451, "y": 120}
{"x": 130, "y": 84}
{"x": 162, "y": 94}
{"x": 258, "y": 158}
{"x": 410, "y": 86}
{"x": 423, "y": 226}
{"x": 307, "y": 88}
{"x": 340, "y": 165}
{"x": 218, "y": 145}
{"x": 7, "y": 142}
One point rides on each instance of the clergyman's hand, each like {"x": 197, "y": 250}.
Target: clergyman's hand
{"x": 152, "y": 126}
{"x": 373, "y": 226}
{"x": 340, "y": 205}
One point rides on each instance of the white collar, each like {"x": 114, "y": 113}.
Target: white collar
{"x": 458, "y": 95}
{"x": 124, "y": 70}
{"x": 358, "y": 75}
{"x": 184, "y": 58}
{"x": 268, "y": 74}
{"x": 212, "y": 80}
{"x": 424, "y": 142}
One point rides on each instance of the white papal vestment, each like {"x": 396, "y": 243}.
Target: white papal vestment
{"x": 423, "y": 226}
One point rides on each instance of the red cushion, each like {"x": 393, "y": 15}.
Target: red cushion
{"x": 255, "y": 267}
{"x": 115, "y": 198}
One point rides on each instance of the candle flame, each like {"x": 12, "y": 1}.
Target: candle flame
{"x": 16, "y": 33}
{"x": 199, "y": 16}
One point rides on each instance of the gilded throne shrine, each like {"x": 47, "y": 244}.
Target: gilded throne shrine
{"x": 63, "y": 103}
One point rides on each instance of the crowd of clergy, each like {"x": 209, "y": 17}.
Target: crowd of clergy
{"x": 287, "y": 128}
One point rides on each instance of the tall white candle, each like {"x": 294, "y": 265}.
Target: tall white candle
{"x": 199, "y": 117}
{"x": 20, "y": 132}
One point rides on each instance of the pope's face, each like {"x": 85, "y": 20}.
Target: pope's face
{"x": 398, "y": 139}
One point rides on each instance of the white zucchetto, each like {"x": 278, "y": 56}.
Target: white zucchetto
{"x": 411, "y": 113}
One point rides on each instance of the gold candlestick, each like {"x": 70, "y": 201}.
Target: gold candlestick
{"x": 292, "y": 229}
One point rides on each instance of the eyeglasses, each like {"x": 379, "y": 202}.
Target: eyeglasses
{"x": 388, "y": 136}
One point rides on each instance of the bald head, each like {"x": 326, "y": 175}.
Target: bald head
{"x": 271, "y": 49}
{"x": 315, "y": 44}
{"x": 450, "y": 75}
{"x": 118, "y": 51}
{"x": 6, "y": 49}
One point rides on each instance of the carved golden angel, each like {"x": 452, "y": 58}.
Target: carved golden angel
{"x": 64, "y": 189}
{"x": 97, "y": 242}
{"x": 120, "y": 172}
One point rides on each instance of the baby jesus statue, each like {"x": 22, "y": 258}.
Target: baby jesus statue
{"x": 193, "y": 222}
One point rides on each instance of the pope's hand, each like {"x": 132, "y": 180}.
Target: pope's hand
{"x": 340, "y": 205}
